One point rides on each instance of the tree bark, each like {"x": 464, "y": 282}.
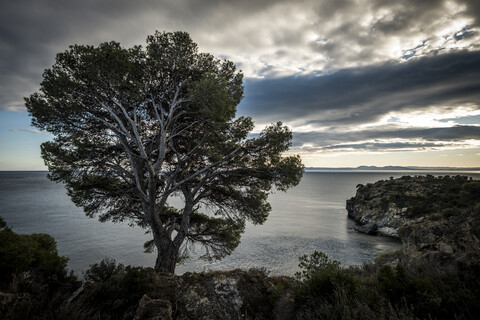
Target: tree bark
{"x": 166, "y": 262}
{"x": 166, "y": 256}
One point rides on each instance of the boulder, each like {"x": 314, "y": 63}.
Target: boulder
{"x": 368, "y": 228}
{"x": 153, "y": 309}
{"x": 215, "y": 297}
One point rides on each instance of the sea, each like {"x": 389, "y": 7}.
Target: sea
{"x": 309, "y": 217}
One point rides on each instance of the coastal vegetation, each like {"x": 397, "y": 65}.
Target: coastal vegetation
{"x": 29, "y": 256}
{"x": 33, "y": 277}
{"x": 423, "y": 195}
{"x": 384, "y": 291}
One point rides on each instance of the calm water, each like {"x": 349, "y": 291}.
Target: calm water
{"x": 310, "y": 217}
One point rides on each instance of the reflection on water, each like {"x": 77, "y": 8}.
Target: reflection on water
{"x": 310, "y": 217}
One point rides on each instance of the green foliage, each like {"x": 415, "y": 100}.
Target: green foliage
{"x": 324, "y": 285}
{"x": 321, "y": 281}
{"x": 100, "y": 272}
{"x": 263, "y": 271}
{"x": 436, "y": 297}
{"x": 316, "y": 262}
{"x": 387, "y": 257}
{"x": 34, "y": 253}
{"x": 117, "y": 287}
{"x": 223, "y": 235}
{"x": 470, "y": 191}
{"x": 326, "y": 291}
{"x": 395, "y": 283}
{"x": 441, "y": 196}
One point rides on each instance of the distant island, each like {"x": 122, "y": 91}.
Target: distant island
{"x": 393, "y": 168}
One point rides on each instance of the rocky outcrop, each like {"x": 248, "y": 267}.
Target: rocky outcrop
{"x": 437, "y": 219}
{"x": 374, "y": 211}
{"x": 384, "y": 206}
{"x": 237, "y": 294}
{"x": 216, "y": 296}
{"x": 153, "y": 309}
{"x": 443, "y": 243}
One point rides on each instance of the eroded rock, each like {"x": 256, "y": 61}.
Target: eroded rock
{"x": 153, "y": 309}
{"x": 210, "y": 297}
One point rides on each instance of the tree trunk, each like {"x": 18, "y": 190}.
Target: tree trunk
{"x": 167, "y": 249}
{"x": 166, "y": 256}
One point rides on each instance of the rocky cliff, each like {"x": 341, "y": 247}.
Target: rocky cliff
{"x": 384, "y": 206}
{"x": 436, "y": 218}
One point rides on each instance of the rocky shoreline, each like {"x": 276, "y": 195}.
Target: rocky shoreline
{"x": 381, "y": 208}
{"x": 436, "y": 218}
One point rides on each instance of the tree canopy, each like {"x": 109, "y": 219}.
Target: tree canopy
{"x": 136, "y": 126}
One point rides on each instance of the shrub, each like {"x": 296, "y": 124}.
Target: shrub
{"x": 316, "y": 262}
{"x": 113, "y": 292}
{"x": 327, "y": 291}
{"x": 34, "y": 253}
{"x": 322, "y": 282}
{"x": 387, "y": 258}
{"x": 432, "y": 297}
{"x": 126, "y": 284}
{"x": 100, "y": 272}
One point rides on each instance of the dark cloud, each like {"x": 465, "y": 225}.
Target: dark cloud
{"x": 428, "y": 136}
{"x": 366, "y": 31}
{"x": 407, "y": 14}
{"x": 375, "y": 146}
{"x": 472, "y": 9}
{"x": 32, "y": 32}
{"x": 362, "y": 95}
{"x": 331, "y": 66}
{"x": 353, "y": 32}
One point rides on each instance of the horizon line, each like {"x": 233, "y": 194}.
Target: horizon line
{"x": 361, "y": 167}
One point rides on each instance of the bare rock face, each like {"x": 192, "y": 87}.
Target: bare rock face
{"x": 368, "y": 228}
{"x": 236, "y": 294}
{"x": 215, "y": 297}
{"x": 374, "y": 209}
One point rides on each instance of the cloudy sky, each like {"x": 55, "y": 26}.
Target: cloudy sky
{"x": 360, "y": 82}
